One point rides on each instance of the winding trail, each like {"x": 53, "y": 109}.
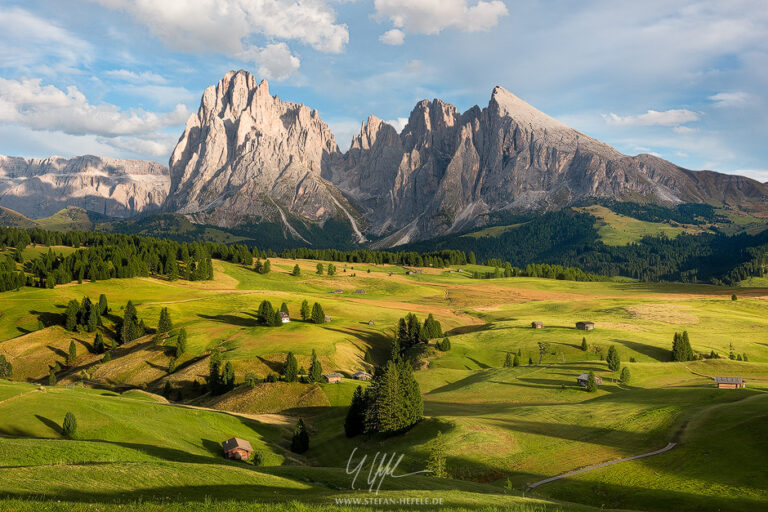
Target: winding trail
{"x": 697, "y": 418}
{"x": 596, "y": 466}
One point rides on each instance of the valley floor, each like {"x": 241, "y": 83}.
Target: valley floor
{"x": 506, "y": 428}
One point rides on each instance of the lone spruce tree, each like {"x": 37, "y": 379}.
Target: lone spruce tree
{"x": 625, "y": 376}
{"x": 305, "y": 311}
{"x": 296, "y": 270}
{"x": 318, "y": 315}
{"x": 6, "y": 369}
{"x": 300, "y": 440}
{"x": 508, "y": 361}
{"x": 613, "y": 359}
{"x": 591, "y": 382}
{"x": 69, "y": 427}
{"x": 516, "y": 361}
{"x": 315, "y": 369}
{"x": 354, "y": 424}
{"x": 72, "y": 355}
{"x": 291, "y": 368}
{"x": 164, "y": 325}
{"x": 584, "y": 345}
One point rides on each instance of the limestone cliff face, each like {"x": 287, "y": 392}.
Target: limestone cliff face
{"x": 118, "y": 188}
{"x": 247, "y": 156}
{"x": 448, "y": 171}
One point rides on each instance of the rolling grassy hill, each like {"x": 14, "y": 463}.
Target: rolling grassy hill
{"x": 505, "y": 427}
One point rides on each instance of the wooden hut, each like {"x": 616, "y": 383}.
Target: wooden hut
{"x": 236, "y": 448}
{"x": 730, "y": 382}
{"x": 537, "y": 325}
{"x": 333, "y": 378}
{"x": 585, "y": 326}
{"x": 582, "y": 380}
{"x": 362, "y": 376}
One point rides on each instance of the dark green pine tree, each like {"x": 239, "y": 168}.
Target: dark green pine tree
{"x": 296, "y": 270}
{"x": 284, "y": 309}
{"x": 214, "y": 371}
{"x": 92, "y": 321}
{"x": 290, "y": 368}
{"x": 228, "y": 378}
{"x": 687, "y": 350}
{"x": 412, "y": 402}
{"x": 432, "y": 328}
{"x": 98, "y": 344}
{"x": 614, "y": 363}
{"x": 437, "y": 460}
{"x": 172, "y": 269}
{"x": 300, "y": 439}
{"x": 69, "y": 427}
{"x": 625, "y": 375}
{"x": 266, "y": 313}
{"x": 508, "y": 361}
{"x": 72, "y": 355}
{"x": 277, "y": 319}
{"x": 591, "y": 382}
{"x": 319, "y": 269}
{"x": 318, "y": 315}
{"x": 70, "y": 315}
{"x": 516, "y": 361}
{"x": 584, "y": 344}
{"x": 305, "y": 311}
{"x": 315, "y": 369}
{"x": 131, "y": 328}
{"x": 103, "y": 304}
{"x": 354, "y": 424}
{"x": 164, "y": 325}
{"x": 266, "y": 268}
{"x": 181, "y": 342}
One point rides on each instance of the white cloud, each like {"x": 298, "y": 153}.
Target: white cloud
{"x": 157, "y": 145}
{"x": 432, "y": 16}
{"x": 28, "y": 103}
{"x": 394, "y": 37}
{"x": 675, "y": 117}
{"x": 31, "y": 43}
{"x": 729, "y": 99}
{"x": 275, "y": 60}
{"x": 230, "y": 26}
{"x": 684, "y": 129}
{"x": 398, "y": 123}
{"x": 756, "y": 174}
{"x": 144, "y": 77}
{"x": 681, "y": 154}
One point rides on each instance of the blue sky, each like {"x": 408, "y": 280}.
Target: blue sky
{"x": 685, "y": 80}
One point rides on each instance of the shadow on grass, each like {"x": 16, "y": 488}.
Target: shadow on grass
{"x": 656, "y": 353}
{"x": 50, "y": 424}
{"x": 230, "y": 319}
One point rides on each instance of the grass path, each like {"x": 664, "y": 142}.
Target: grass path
{"x": 697, "y": 419}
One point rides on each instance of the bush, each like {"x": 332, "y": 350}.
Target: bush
{"x": 257, "y": 459}
{"x": 296, "y": 270}
{"x": 251, "y": 380}
{"x": 6, "y": 370}
{"x": 69, "y": 427}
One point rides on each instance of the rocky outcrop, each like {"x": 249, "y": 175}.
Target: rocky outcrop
{"x": 448, "y": 172}
{"x": 117, "y": 188}
{"x": 249, "y": 157}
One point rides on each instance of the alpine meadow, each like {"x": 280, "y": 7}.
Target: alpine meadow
{"x": 257, "y": 301}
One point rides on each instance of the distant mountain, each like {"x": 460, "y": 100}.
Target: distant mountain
{"x": 117, "y": 188}
{"x": 248, "y": 157}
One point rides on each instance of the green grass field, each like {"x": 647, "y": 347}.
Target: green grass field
{"x": 505, "y": 427}
{"x": 616, "y": 229}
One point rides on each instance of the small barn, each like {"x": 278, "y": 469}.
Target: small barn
{"x": 408, "y": 272}
{"x": 328, "y": 319}
{"x": 585, "y": 326}
{"x": 236, "y": 448}
{"x": 333, "y": 378}
{"x": 582, "y": 380}
{"x": 537, "y": 325}
{"x": 371, "y": 322}
{"x": 360, "y": 291}
{"x": 338, "y": 291}
{"x": 730, "y": 382}
{"x": 284, "y": 317}
{"x": 362, "y": 376}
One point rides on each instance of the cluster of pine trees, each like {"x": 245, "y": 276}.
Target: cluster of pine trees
{"x": 269, "y": 316}
{"x": 505, "y": 269}
{"x": 681, "y": 347}
{"x": 221, "y": 376}
{"x": 411, "y": 332}
{"x": 99, "y": 256}
{"x": 85, "y": 314}
{"x": 292, "y": 373}
{"x": 437, "y": 259}
{"x": 390, "y": 405}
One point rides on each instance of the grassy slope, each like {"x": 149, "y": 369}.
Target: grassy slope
{"x": 615, "y": 229}
{"x": 520, "y": 424}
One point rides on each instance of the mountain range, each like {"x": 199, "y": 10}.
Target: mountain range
{"x": 248, "y": 160}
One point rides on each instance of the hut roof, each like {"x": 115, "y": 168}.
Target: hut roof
{"x": 333, "y": 375}
{"x": 236, "y": 442}
{"x": 729, "y": 380}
